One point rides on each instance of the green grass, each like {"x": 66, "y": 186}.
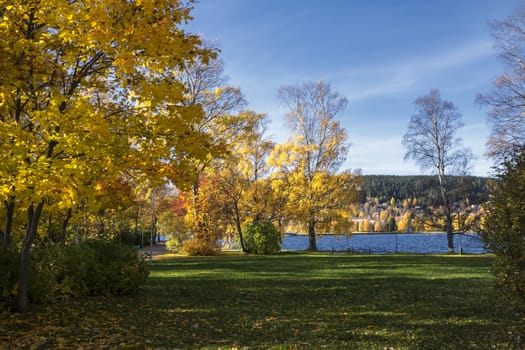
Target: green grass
{"x": 290, "y": 301}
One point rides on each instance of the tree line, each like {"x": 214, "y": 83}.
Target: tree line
{"x": 423, "y": 188}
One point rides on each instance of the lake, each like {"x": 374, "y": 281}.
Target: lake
{"x": 388, "y": 243}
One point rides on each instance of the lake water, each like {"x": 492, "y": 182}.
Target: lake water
{"x": 388, "y": 243}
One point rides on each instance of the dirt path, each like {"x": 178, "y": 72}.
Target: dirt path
{"x": 158, "y": 250}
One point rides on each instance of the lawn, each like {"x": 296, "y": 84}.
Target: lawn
{"x": 288, "y": 301}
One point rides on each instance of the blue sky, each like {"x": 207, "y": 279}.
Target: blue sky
{"x": 380, "y": 54}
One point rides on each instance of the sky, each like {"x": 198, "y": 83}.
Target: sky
{"x": 379, "y": 54}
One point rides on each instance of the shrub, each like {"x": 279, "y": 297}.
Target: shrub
{"x": 200, "y": 246}
{"x": 95, "y": 267}
{"x": 262, "y": 237}
{"x": 174, "y": 244}
{"x": 10, "y": 263}
{"x": 132, "y": 237}
{"x": 504, "y": 229}
{"x": 119, "y": 270}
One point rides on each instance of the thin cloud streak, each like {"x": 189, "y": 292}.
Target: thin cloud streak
{"x": 399, "y": 77}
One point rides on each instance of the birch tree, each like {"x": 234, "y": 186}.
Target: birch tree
{"x": 431, "y": 141}
{"x": 310, "y": 160}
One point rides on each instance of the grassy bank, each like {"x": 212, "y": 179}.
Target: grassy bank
{"x": 289, "y": 301}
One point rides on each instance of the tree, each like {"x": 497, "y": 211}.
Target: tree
{"x": 507, "y": 98}
{"x": 503, "y": 231}
{"x": 365, "y": 226}
{"x": 432, "y": 142}
{"x": 243, "y": 176}
{"x": 377, "y": 226}
{"x": 314, "y": 154}
{"x": 234, "y": 189}
{"x": 404, "y": 223}
{"x": 87, "y": 91}
{"x": 207, "y": 86}
{"x": 391, "y": 225}
{"x": 207, "y": 218}
{"x": 384, "y": 216}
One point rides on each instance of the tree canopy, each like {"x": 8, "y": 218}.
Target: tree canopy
{"x": 88, "y": 93}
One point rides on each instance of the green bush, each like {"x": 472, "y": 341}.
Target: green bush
{"x": 504, "y": 229}
{"x": 94, "y": 267}
{"x": 262, "y": 237}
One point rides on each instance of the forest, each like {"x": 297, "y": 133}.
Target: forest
{"x": 424, "y": 188}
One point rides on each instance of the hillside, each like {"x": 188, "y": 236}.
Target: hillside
{"x": 423, "y": 187}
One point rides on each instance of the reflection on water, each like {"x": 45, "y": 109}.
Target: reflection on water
{"x": 388, "y": 243}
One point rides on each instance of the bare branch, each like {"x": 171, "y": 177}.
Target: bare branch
{"x": 431, "y": 141}
{"x": 506, "y": 100}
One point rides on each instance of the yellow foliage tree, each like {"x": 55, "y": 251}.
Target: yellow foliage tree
{"x": 207, "y": 218}
{"x": 365, "y": 226}
{"x": 311, "y": 158}
{"x": 377, "y": 226}
{"x": 243, "y": 176}
{"x": 403, "y": 224}
{"x": 88, "y": 88}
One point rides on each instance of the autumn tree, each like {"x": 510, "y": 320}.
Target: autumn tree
{"x": 243, "y": 176}
{"x": 172, "y": 222}
{"x": 404, "y": 223}
{"x": 507, "y": 98}
{"x": 87, "y": 89}
{"x": 365, "y": 226}
{"x": 206, "y": 86}
{"x": 377, "y": 226}
{"x": 431, "y": 140}
{"x": 311, "y": 158}
{"x": 206, "y": 218}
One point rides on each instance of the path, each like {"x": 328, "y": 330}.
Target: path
{"x": 159, "y": 249}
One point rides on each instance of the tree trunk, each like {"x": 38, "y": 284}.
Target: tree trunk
{"x": 33, "y": 217}
{"x": 449, "y": 228}
{"x": 312, "y": 244}
{"x": 9, "y": 213}
{"x": 241, "y": 238}
{"x": 50, "y": 237}
{"x": 136, "y": 230}
{"x": 195, "y": 193}
{"x": 448, "y": 213}
{"x": 154, "y": 230}
{"x": 65, "y": 224}
{"x": 239, "y": 229}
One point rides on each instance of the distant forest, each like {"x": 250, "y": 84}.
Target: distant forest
{"x": 424, "y": 188}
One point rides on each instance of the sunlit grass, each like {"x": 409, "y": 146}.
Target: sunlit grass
{"x": 300, "y": 301}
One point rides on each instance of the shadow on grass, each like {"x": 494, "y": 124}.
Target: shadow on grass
{"x": 291, "y": 301}
{"x": 406, "y": 301}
